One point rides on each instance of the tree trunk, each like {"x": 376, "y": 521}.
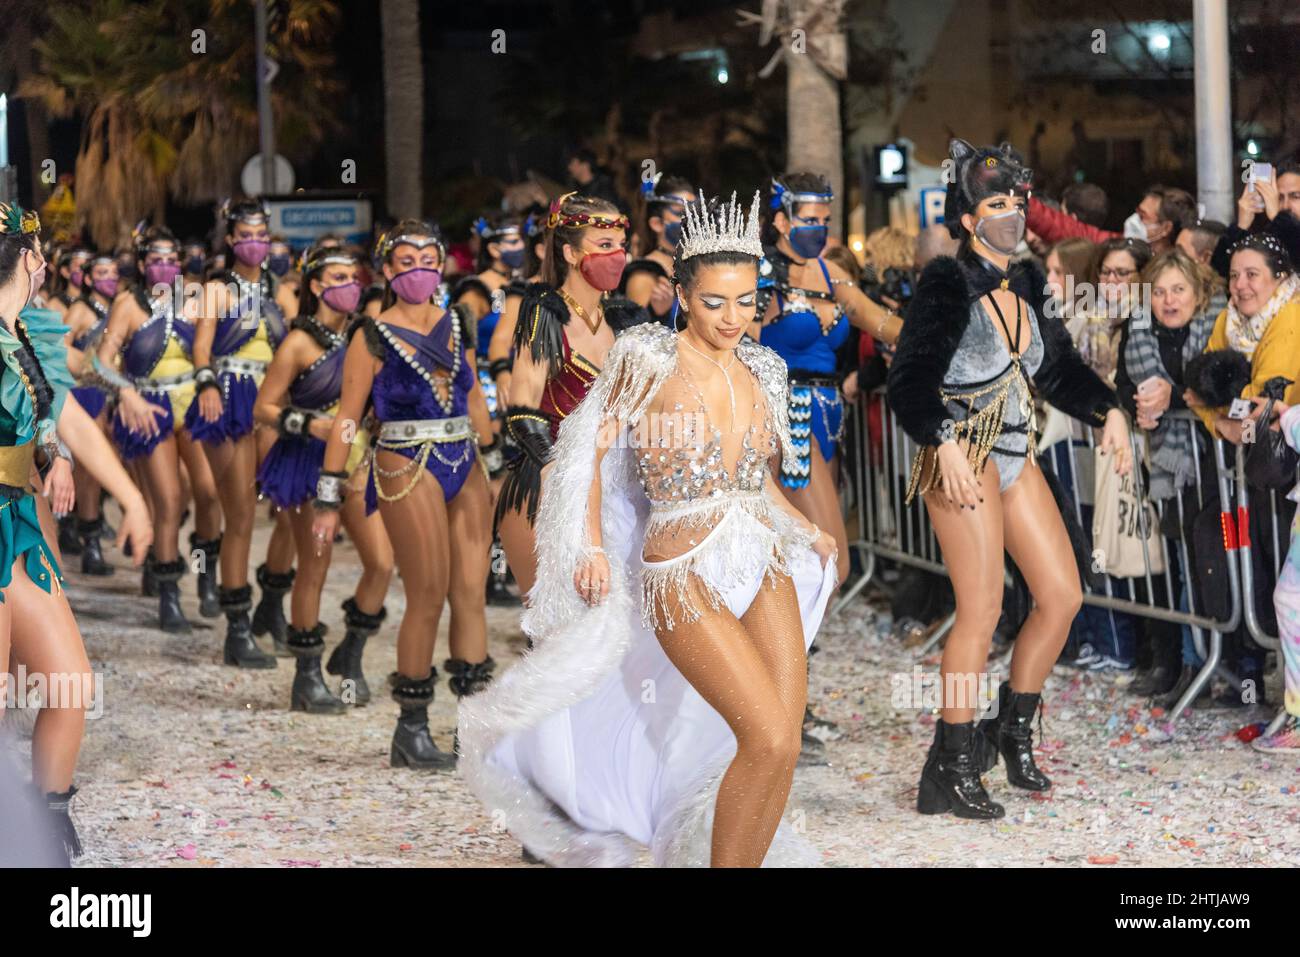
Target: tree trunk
{"x": 403, "y": 107}
{"x": 813, "y": 128}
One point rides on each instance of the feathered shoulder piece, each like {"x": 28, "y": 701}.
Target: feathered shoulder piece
{"x": 464, "y": 315}
{"x": 774, "y": 378}
{"x": 540, "y": 329}
{"x": 622, "y": 313}
{"x": 517, "y": 287}
{"x": 374, "y": 340}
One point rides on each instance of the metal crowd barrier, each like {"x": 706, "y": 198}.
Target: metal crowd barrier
{"x": 886, "y": 528}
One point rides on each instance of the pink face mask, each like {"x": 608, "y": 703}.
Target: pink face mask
{"x": 106, "y": 287}
{"x": 75, "y": 276}
{"x": 344, "y": 297}
{"x": 161, "y": 274}
{"x": 416, "y": 285}
{"x": 251, "y": 252}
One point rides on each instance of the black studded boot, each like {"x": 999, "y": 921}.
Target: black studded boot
{"x": 64, "y": 831}
{"x": 467, "y": 678}
{"x": 950, "y": 780}
{"x": 208, "y": 550}
{"x": 269, "y": 614}
{"x": 69, "y": 543}
{"x": 345, "y": 660}
{"x": 240, "y": 649}
{"x": 413, "y": 746}
{"x": 170, "y": 617}
{"x": 1011, "y": 734}
{"x": 310, "y": 692}
{"x": 148, "y": 585}
{"x": 92, "y": 555}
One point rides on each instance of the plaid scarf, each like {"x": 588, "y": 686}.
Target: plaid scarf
{"x": 1169, "y": 443}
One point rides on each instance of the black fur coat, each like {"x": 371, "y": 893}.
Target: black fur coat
{"x": 933, "y": 327}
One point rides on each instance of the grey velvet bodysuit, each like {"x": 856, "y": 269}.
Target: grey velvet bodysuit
{"x": 982, "y": 360}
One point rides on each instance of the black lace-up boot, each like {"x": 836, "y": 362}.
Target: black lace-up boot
{"x": 92, "y": 554}
{"x": 310, "y": 692}
{"x": 1011, "y": 734}
{"x": 209, "y": 551}
{"x": 413, "y": 745}
{"x": 269, "y": 614}
{"x": 170, "y": 616}
{"x": 240, "y": 649}
{"x": 950, "y": 780}
{"x": 345, "y": 660}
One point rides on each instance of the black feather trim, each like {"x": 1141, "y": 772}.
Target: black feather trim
{"x": 318, "y": 333}
{"x": 464, "y": 315}
{"x": 540, "y": 329}
{"x": 374, "y": 341}
{"x": 935, "y": 321}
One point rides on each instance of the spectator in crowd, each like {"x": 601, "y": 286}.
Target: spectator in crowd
{"x": 1150, "y": 383}
{"x": 590, "y": 180}
{"x": 1278, "y": 199}
{"x": 1200, "y": 239}
{"x": 1160, "y": 216}
{"x": 1262, "y": 322}
{"x": 1117, "y": 296}
{"x": 1069, "y": 266}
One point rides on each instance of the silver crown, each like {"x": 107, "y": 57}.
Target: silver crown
{"x": 725, "y": 231}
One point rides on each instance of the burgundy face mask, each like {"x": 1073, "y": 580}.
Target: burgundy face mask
{"x": 603, "y": 270}
{"x": 251, "y": 252}
{"x": 344, "y": 297}
{"x": 416, "y": 285}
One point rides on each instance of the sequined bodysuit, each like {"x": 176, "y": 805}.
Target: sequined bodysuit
{"x": 711, "y": 515}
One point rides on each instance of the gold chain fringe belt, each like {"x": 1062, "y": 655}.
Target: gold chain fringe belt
{"x": 425, "y": 434}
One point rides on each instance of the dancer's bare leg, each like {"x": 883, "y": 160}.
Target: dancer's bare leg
{"x": 518, "y": 542}
{"x": 971, "y": 541}
{"x": 47, "y": 641}
{"x": 234, "y": 467}
{"x": 161, "y": 474}
{"x": 1037, "y": 542}
{"x": 753, "y": 674}
{"x": 417, "y": 527}
{"x": 207, "y": 507}
{"x": 369, "y": 538}
{"x": 470, "y": 520}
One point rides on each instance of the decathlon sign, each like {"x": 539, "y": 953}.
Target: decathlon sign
{"x": 302, "y": 221}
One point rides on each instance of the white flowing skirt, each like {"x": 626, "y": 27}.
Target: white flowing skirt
{"x": 595, "y": 740}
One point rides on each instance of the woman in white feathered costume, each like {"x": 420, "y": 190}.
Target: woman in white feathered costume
{"x": 676, "y": 597}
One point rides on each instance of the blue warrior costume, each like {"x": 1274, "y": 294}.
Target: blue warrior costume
{"x": 91, "y": 397}
{"x": 34, "y": 383}
{"x": 415, "y": 420}
{"x": 157, "y": 359}
{"x": 289, "y": 472}
{"x": 241, "y": 350}
{"x": 808, "y": 347}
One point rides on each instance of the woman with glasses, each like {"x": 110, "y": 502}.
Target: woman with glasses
{"x": 1117, "y": 296}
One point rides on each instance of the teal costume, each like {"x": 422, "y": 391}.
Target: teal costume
{"x": 20, "y": 529}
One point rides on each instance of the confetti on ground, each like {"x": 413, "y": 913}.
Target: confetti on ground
{"x": 192, "y": 757}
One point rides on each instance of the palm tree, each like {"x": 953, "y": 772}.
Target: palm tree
{"x": 403, "y": 106}
{"x": 816, "y": 62}
{"x": 160, "y": 119}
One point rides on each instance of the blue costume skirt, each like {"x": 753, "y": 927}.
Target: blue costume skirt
{"x": 91, "y": 398}
{"x": 238, "y": 394}
{"x": 451, "y": 478}
{"x": 133, "y": 445}
{"x": 290, "y": 470}
{"x": 815, "y": 411}
{"x": 20, "y": 536}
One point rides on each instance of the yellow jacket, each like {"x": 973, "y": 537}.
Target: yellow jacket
{"x": 1278, "y": 354}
